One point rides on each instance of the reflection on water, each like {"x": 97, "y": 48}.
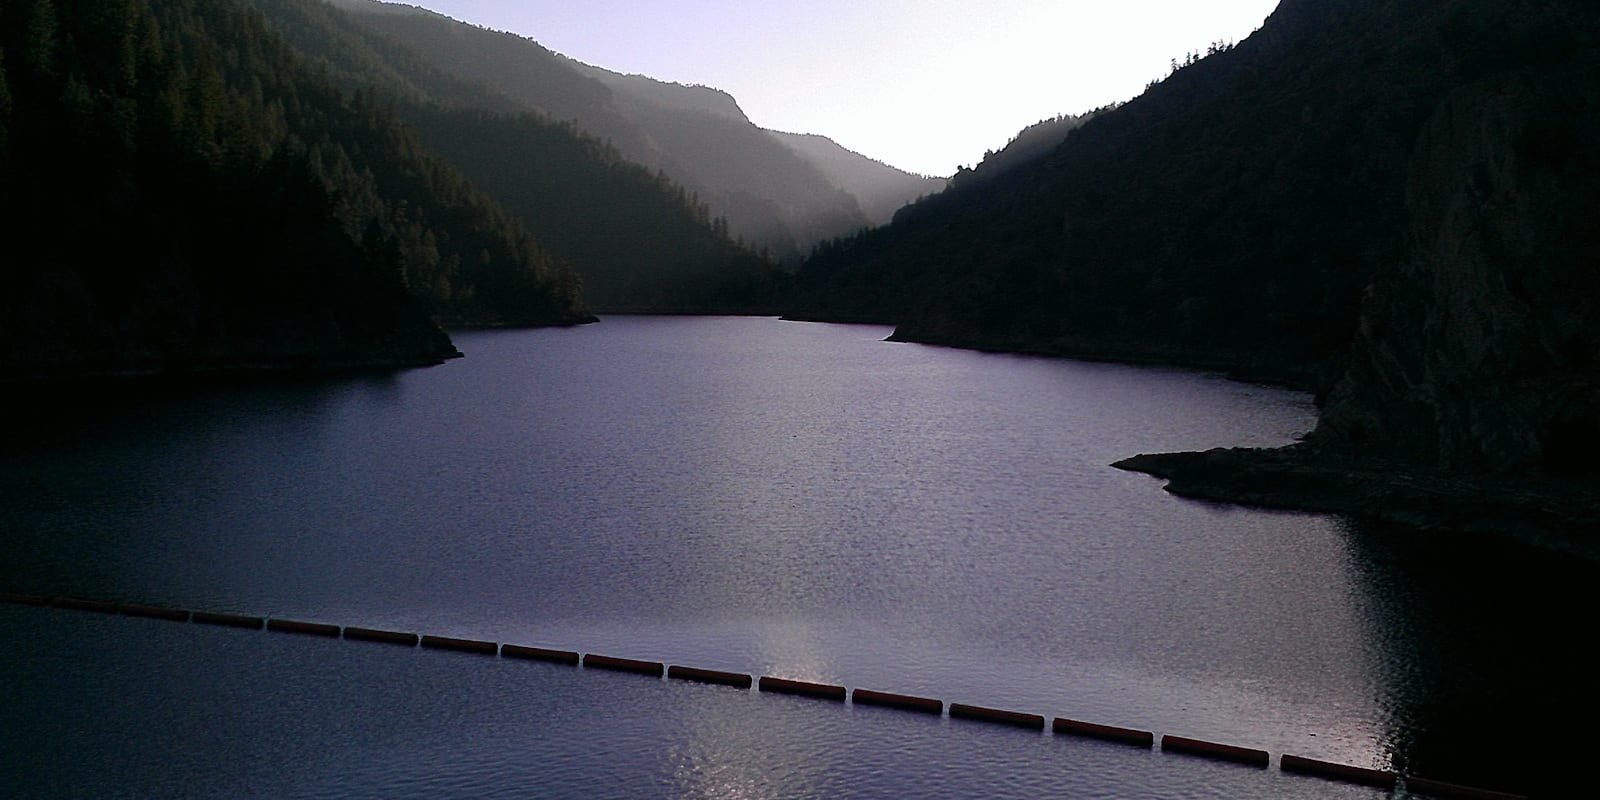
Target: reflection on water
{"x": 812, "y": 502}
{"x": 1484, "y": 645}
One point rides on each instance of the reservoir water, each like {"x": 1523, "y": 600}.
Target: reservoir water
{"x": 753, "y": 495}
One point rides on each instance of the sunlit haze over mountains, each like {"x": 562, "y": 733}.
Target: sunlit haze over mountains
{"x": 924, "y": 85}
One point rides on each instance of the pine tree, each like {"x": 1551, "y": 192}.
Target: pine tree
{"x": 5, "y": 108}
{"x": 5, "y": 90}
{"x": 39, "y": 38}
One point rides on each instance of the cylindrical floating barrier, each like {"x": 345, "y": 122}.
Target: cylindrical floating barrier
{"x": 1453, "y": 791}
{"x": 461, "y": 645}
{"x": 539, "y": 654}
{"x": 227, "y": 620}
{"x": 80, "y": 604}
{"x": 1339, "y": 772}
{"x": 382, "y": 637}
{"x": 623, "y": 664}
{"x": 1213, "y": 750}
{"x": 981, "y": 714}
{"x": 24, "y": 599}
{"x": 904, "y": 702}
{"x": 823, "y": 691}
{"x": 309, "y": 628}
{"x": 737, "y": 680}
{"x": 154, "y": 612}
{"x": 1109, "y": 733}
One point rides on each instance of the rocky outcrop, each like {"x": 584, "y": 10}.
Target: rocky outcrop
{"x": 1481, "y": 352}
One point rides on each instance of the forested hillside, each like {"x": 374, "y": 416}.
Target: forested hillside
{"x": 1029, "y": 145}
{"x": 771, "y": 196}
{"x": 1230, "y": 216}
{"x": 1471, "y": 400}
{"x": 178, "y": 191}
{"x": 639, "y": 241}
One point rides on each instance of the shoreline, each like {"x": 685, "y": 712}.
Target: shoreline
{"x": 1548, "y": 513}
{"x": 1280, "y": 373}
{"x": 243, "y": 370}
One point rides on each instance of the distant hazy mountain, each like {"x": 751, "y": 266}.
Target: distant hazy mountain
{"x": 879, "y": 188}
{"x": 639, "y": 242}
{"x": 772, "y": 195}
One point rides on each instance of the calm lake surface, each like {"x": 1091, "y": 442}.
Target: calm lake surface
{"x": 753, "y": 495}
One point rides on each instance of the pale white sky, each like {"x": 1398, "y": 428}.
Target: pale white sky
{"x": 924, "y": 85}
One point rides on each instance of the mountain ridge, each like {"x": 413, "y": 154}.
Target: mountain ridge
{"x": 247, "y": 214}
{"x": 697, "y": 135}
{"x": 1163, "y": 229}
{"x": 879, "y": 188}
{"x": 638, "y": 241}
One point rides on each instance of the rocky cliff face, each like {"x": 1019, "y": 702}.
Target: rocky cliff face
{"x": 1481, "y": 352}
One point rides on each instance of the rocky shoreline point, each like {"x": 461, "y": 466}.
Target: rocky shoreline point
{"x": 1550, "y": 513}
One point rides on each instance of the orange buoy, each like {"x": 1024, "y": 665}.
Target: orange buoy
{"x": 1213, "y": 750}
{"x": 981, "y": 714}
{"x": 821, "y": 691}
{"x": 539, "y": 654}
{"x": 153, "y": 612}
{"x": 80, "y": 604}
{"x": 1340, "y": 772}
{"x": 227, "y": 620}
{"x": 461, "y": 645}
{"x": 616, "y": 664}
{"x": 380, "y": 636}
{"x": 1109, "y": 733}
{"x": 737, "y": 680}
{"x": 904, "y": 702}
{"x": 310, "y": 628}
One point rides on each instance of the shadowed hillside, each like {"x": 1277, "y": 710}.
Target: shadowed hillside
{"x": 180, "y": 192}
{"x": 639, "y": 241}
{"x": 1230, "y": 216}
{"x": 771, "y": 197}
{"x": 1392, "y": 201}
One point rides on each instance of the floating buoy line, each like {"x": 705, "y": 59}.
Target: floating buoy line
{"x": 770, "y": 684}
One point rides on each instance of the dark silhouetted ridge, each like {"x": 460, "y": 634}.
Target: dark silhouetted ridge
{"x": 180, "y": 192}
{"x": 639, "y": 241}
{"x": 771, "y": 197}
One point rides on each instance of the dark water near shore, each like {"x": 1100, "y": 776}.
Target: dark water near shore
{"x": 753, "y": 495}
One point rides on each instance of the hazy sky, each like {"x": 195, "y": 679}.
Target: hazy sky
{"x": 925, "y": 85}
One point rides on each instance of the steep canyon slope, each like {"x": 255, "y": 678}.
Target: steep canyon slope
{"x": 638, "y": 241}
{"x": 1229, "y": 217}
{"x": 1390, "y": 201}
{"x": 180, "y": 193}
{"x": 772, "y": 196}
{"x": 1471, "y": 397}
